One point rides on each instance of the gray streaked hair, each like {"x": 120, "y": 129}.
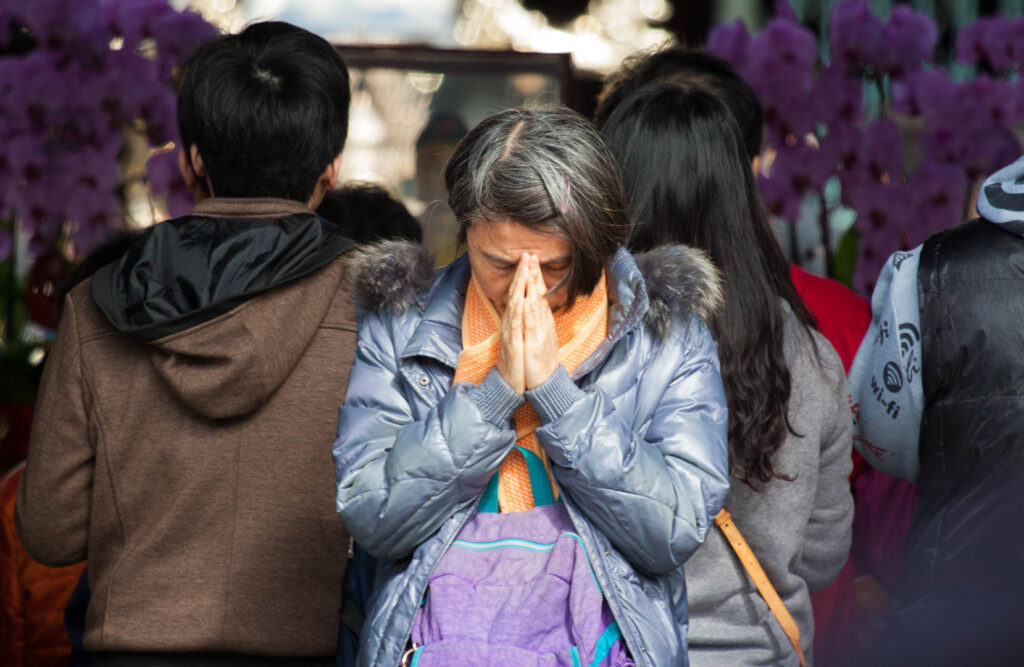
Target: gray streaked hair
{"x": 547, "y": 169}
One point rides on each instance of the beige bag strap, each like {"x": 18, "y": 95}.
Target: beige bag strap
{"x": 764, "y": 586}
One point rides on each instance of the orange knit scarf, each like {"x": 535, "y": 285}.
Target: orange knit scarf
{"x": 579, "y": 329}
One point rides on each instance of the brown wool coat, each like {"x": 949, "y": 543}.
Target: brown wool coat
{"x": 195, "y": 473}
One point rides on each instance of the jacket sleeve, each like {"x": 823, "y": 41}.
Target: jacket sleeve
{"x": 829, "y": 531}
{"x": 400, "y": 477}
{"x": 653, "y": 496}
{"x": 54, "y": 496}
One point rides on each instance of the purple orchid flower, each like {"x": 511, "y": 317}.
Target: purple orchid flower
{"x": 872, "y": 252}
{"x": 801, "y": 168}
{"x": 995, "y": 40}
{"x": 937, "y": 194}
{"x": 883, "y": 213}
{"x": 64, "y": 106}
{"x": 130, "y": 19}
{"x": 178, "y": 34}
{"x": 837, "y": 97}
{"x": 856, "y": 35}
{"x": 881, "y": 153}
{"x": 911, "y": 37}
{"x": 841, "y": 146}
{"x": 779, "y": 200}
{"x": 730, "y": 41}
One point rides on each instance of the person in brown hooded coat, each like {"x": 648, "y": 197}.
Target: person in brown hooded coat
{"x": 183, "y": 432}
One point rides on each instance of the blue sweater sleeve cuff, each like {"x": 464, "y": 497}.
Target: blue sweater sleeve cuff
{"x": 554, "y": 396}
{"x": 497, "y": 400}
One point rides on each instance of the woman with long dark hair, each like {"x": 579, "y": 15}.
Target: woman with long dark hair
{"x": 688, "y": 180}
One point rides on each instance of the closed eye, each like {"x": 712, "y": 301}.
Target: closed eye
{"x": 557, "y": 264}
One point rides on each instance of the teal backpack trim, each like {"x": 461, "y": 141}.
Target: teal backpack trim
{"x": 540, "y": 484}
{"x": 489, "y": 501}
{"x": 610, "y": 635}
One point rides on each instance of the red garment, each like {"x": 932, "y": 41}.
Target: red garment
{"x": 843, "y": 315}
{"x": 32, "y": 596}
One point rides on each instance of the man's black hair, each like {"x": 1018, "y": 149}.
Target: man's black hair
{"x": 366, "y": 212}
{"x": 690, "y": 70}
{"x": 267, "y": 109}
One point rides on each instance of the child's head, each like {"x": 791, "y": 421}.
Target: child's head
{"x": 366, "y": 213}
{"x": 264, "y": 113}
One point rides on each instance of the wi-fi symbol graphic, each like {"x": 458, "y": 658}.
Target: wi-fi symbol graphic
{"x": 892, "y": 377}
{"x": 909, "y": 336}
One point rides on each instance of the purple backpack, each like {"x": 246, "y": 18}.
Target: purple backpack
{"x": 516, "y": 590}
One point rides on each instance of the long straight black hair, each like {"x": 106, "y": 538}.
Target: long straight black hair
{"x": 688, "y": 180}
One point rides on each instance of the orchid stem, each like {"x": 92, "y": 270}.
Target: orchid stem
{"x": 826, "y": 239}
{"x": 10, "y": 336}
{"x": 794, "y": 245}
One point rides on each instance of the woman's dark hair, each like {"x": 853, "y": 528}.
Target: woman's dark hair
{"x": 547, "y": 169}
{"x": 267, "y": 109}
{"x": 689, "y": 69}
{"x": 689, "y": 181}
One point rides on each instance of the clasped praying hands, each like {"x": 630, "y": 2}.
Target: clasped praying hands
{"x": 528, "y": 354}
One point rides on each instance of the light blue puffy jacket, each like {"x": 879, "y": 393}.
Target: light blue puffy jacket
{"x": 639, "y": 454}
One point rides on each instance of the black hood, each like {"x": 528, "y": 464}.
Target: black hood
{"x": 189, "y": 270}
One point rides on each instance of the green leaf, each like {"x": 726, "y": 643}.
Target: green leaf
{"x": 845, "y": 260}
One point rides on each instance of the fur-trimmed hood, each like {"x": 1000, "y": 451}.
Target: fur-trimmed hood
{"x": 679, "y": 280}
